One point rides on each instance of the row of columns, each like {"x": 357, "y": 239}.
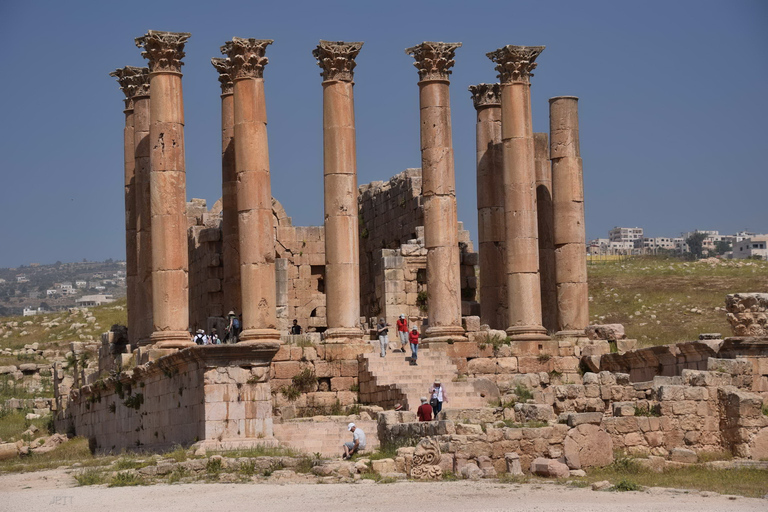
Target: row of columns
{"x": 513, "y": 177}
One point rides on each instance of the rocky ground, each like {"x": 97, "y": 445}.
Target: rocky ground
{"x": 54, "y": 490}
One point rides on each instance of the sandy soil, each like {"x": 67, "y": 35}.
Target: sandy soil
{"x": 53, "y": 490}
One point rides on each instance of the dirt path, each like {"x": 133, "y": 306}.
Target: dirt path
{"x": 53, "y": 490}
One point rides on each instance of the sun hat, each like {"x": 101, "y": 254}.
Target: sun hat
{"x": 398, "y": 407}
{"x": 231, "y": 313}
{"x": 437, "y": 381}
{"x": 414, "y": 328}
{"x": 423, "y": 399}
{"x": 350, "y": 426}
{"x": 402, "y": 316}
{"x": 200, "y": 331}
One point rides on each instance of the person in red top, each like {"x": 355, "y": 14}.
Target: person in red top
{"x": 413, "y": 337}
{"x": 402, "y": 331}
{"x": 424, "y": 411}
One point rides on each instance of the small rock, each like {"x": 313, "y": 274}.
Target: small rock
{"x": 578, "y": 472}
{"x": 601, "y": 485}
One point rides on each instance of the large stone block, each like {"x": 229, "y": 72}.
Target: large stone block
{"x": 549, "y": 468}
{"x": 588, "y": 446}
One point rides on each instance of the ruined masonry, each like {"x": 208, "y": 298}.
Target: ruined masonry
{"x": 530, "y": 386}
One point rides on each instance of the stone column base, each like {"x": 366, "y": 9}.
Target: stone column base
{"x": 259, "y": 334}
{"x": 342, "y": 334}
{"x": 571, "y": 334}
{"x": 171, "y": 339}
{"x": 527, "y": 333}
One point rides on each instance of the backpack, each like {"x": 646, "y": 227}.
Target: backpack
{"x": 236, "y": 325}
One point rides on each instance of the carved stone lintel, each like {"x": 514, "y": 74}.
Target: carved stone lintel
{"x": 426, "y": 460}
{"x": 515, "y": 63}
{"x": 224, "y": 69}
{"x": 164, "y": 50}
{"x": 246, "y": 57}
{"x": 337, "y": 59}
{"x": 485, "y": 95}
{"x": 434, "y": 60}
{"x": 132, "y": 81}
{"x": 748, "y": 313}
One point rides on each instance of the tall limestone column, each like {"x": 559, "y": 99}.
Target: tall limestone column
{"x": 144, "y": 315}
{"x": 433, "y": 61}
{"x": 570, "y": 235}
{"x": 545, "y": 214}
{"x": 490, "y": 205}
{"x": 167, "y": 181}
{"x": 342, "y": 245}
{"x": 254, "y": 193}
{"x": 514, "y": 64}
{"x": 126, "y": 78}
{"x": 229, "y": 230}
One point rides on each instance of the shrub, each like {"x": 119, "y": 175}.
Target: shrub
{"x": 523, "y": 393}
{"x": 624, "y": 485}
{"x": 648, "y": 411}
{"x": 292, "y": 393}
{"x": 90, "y": 477}
{"x": 305, "y": 380}
{"x": 213, "y": 466}
{"x": 126, "y": 479}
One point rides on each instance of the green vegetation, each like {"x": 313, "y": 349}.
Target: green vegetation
{"x": 648, "y": 411}
{"x": 90, "y": 476}
{"x": 126, "y": 479}
{"x": 626, "y": 485}
{"x": 663, "y": 300}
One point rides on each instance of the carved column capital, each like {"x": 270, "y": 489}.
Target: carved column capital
{"x": 246, "y": 57}
{"x": 515, "y": 63}
{"x": 485, "y": 95}
{"x": 434, "y": 60}
{"x": 225, "y": 77}
{"x": 163, "y": 50}
{"x": 131, "y": 80}
{"x": 337, "y": 59}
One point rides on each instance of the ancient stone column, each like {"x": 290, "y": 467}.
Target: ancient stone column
{"x": 569, "y": 230}
{"x": 126, "y": 78}
{"x": 433, "y": 61}
{"x": 545, "y": 215}
{"x": 342, "y": 246}
{"x": 170, "y": 294}
{"x": 490, "y": 205}
{"x": 254, "y": 194}
{"x": 144, "y": 315}
{"x": 229, "y": 230}
{"x": 514, "y": 64}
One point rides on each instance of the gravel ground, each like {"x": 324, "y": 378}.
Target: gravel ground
{"x": 55, "y": 490}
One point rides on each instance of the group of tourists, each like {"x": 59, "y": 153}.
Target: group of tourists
{"x": 231, "y": 333}
{"x": 405, "y": 336}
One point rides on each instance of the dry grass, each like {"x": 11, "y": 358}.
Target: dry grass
{"x": 654, "y": 297}
{"x": 74, "y": 450}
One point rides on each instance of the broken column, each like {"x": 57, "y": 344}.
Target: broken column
{"x": 254, "y": 193}
{"x": 342, "y": 260}
{"x": 545, "y": 215}
{"x": 126, "y": 78}
{"x": 433, "y": 61}
{"x": 490, "y": 205}
{"x": 143, "y": 318}
{"x": 514, "y": 64}
{"x": 229, "y": 232}
{"x": 170, "y": 295}
{"x": 569, "y": 232}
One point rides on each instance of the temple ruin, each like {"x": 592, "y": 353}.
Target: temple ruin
{"x": 508, "y": 322}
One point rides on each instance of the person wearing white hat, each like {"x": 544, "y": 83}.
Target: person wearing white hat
{"x": 437, "y": 395}
{"x": 199, "y": 337}
{"x": 424, "y": 412}
{"x": 358, "y": 441}
{"x": 402, "y": 331}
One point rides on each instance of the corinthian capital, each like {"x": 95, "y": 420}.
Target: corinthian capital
{"x": 433, "y": 60}
{"x": 224, "y": 69}
{"x": 164, "y": 50}
{"x": 515, "y": 63}
{"x": 484, "y": 95}
{"x": 337, "y": 59}
{"x": 132, "y": 80}
{"x": 246, "y": 57}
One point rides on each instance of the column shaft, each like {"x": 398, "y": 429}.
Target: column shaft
{"x": 131, "y": 255}
{"x": 144, "y": 315}
{"x": 342, "y": 262}
{"x": 545, "y": 215}
{"x": 569, "y": 229}
{"x": 229, "y": 217}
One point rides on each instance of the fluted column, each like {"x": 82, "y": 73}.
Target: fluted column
{"x": 141, "y": 123}
{"x": 490, "y": 205}
{"x": 170, "y": 284}
{"x": 570, "y": 236}
{"x": 545, "y": 215}
{"x": 126, "y": 78}
{"x": 229, "y": 230}
{"x": 342, "y": 245}
{"x": 433, "y": 62}
{"x": 514, "y": 64}
{"x": 254, "y": 194}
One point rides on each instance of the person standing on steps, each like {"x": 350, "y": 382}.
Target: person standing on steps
{"x": 232, "y": 330}
{"x": 296, "y": 328}
{"x": 437, "y": 395}
{"x": 382, "y": 331}
{"x": 424, "y": 412}
{"x": 402, "y": 332}
{"x": 413, "y": 338}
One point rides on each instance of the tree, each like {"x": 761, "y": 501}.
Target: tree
{"x": 696, "y": 244}
{"x": 722, "y": 247}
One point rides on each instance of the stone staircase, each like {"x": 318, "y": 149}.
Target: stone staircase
{"x": 388, "y": 380}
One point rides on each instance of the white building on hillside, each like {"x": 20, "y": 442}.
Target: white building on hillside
{"x": 755, "y": 246}
{"x": 94, "y": 300}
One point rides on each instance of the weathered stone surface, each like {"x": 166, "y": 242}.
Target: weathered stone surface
{"x": 608, "y": 332}
{"x": 8, "y": 451}
{"x": 576, "y": 419}
{"x": 588, "y": 446}
{"x": 470, "y": 471}
{"x": 748, "y": 313}
{"x": 549, "y": 468}
{"x": 683, "y": 455}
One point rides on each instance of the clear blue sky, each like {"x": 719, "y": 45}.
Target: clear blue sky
{"x": 673, "y": 106}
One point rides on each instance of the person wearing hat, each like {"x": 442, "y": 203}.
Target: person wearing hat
{"x": 199, "y": 337}
{"x": 358, "y": 441}
{"x": 232, "y": 330}
{"x": 402, "y": 331}
{"x": 413, "y": 338}
{"x": 437, "y": 397}
{"x": 424, "y": 412}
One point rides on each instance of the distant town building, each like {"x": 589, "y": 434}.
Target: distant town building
{"x": 81, "y": 284}
{"x": 650, "y": 245}
{"x": 22, "y": 279}
{"x": 35, "y": 311}
{"x": 94, "y": 300}
{"x": 50, "y": 292}
{"x": 618, "y": 234}
{"x": 755, "y": 246}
